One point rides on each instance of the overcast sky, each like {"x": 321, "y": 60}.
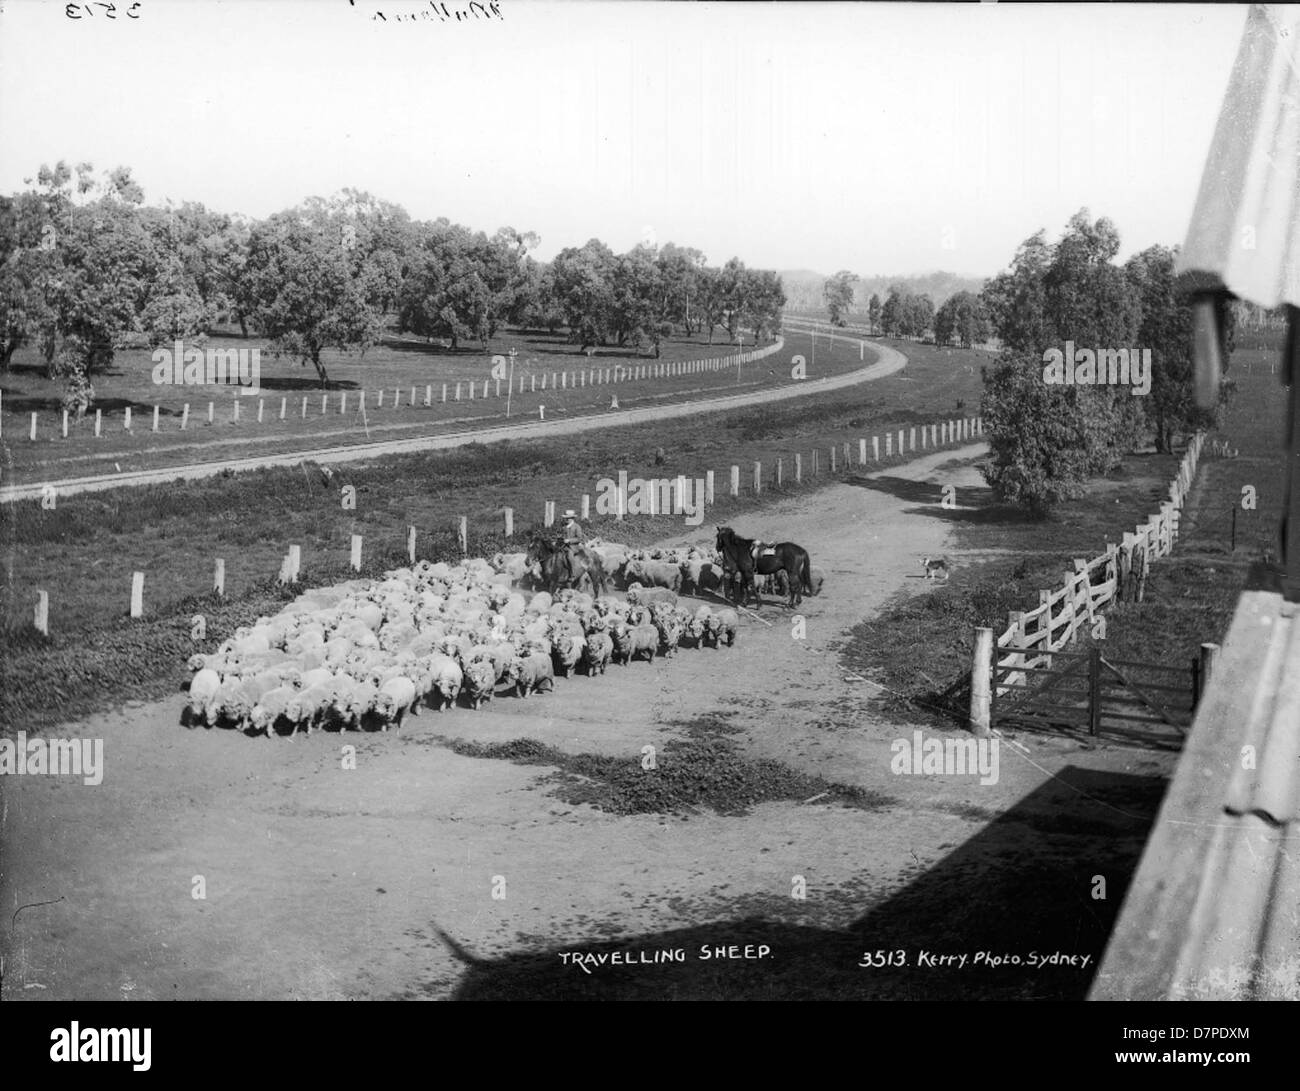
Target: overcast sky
{"x": 885, "y": 139}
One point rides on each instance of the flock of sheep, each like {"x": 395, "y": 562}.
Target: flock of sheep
{"x": 365, "y": 654}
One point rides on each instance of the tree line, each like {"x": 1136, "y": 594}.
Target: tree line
{"x": 87, "y": 268}
{"x": 962, "y": 319}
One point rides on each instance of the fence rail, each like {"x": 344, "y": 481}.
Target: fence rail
{"x": 462, "y": 390}
{"x": 1032, "y": 636}
{"x": 672, "y": 500}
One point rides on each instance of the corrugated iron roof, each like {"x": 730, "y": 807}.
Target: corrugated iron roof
{"x": 1245, "y": 231}
{"x": 1213, "y": 912}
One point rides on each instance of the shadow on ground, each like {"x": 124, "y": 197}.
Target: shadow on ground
{"x": 1044, "y": 878}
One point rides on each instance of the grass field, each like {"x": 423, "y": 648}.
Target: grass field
{"x": 84, "y": 551}
{"x": 334, "y": 417}
{"x": 922, "y": 647}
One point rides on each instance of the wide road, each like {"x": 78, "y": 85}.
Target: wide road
{"x": 888, "y": 361}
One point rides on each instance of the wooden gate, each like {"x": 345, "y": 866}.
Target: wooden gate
{"x": 1086, "y": 691}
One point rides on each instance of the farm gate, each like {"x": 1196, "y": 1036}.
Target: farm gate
{"x": 1089, "y": 691}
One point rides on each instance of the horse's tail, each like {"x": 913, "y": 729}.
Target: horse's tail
{"x": 805, "y": 572}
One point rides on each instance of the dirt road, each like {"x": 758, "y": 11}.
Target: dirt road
{"x": 888, "y": 361}
{"x": 321, "y": 881}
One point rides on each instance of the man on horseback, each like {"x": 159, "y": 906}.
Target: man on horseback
{"x": 569, "y": 545}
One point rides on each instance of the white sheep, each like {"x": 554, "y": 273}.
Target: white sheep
{"x": 396, "y": 699}
{"x": 271, "y": 708}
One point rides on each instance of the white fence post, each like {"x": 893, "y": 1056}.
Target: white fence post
{"x": 219, "y": 576}
{"x": 295, "y": 562}
{"x": 862, "y": 452}
{"x": 356, "y": 552}
{"x": 42, "y": 617}
{"x": 758, "y": 478}
{"x": 586, "y": 506}
{"x": 708, "y": 486}
{"x": 464, "y": 533}
{"x": 155, "y": 418}
{"x": 137, "y": 594}
{"x": 410, "y": 544}
{"x": 798, "y": 469}
{"x": 510, "y": 522}
{"x": 981, "y": 683}
{"x": 185, "y": 415}
{"x": 735, "y": 480}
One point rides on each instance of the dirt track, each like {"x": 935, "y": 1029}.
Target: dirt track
{"x": 325, "y": 883}
{"x": 887, "y": 362}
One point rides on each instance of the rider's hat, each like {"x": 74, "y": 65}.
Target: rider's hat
{"x": 571, "y": 514}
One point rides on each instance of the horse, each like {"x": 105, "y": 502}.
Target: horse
{"x": 549, "y": 557}
{"x": 745, "y": 556}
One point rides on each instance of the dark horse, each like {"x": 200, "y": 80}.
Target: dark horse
{"x": 745, "y": 557}
{"x": 549, "y": 556}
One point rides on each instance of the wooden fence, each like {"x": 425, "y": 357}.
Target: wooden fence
{"x": 952, "y": 431}
{"x": 1117, "y": 574}
{"x": 426, "y": 396}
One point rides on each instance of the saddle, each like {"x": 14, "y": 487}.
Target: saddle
{"x": 762, "y": 549}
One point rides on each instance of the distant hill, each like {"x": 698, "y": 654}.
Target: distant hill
{"x": 803, "y": 288}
